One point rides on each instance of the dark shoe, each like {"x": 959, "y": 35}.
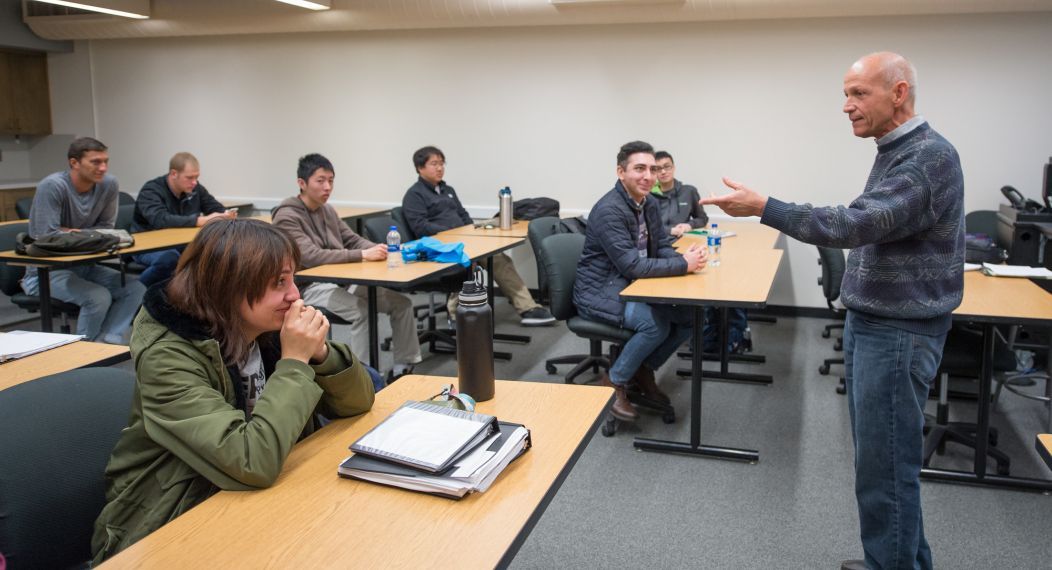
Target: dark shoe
{"x": 622, "y": 408}
{"x": 644, "y": 380}
{"x": 391, "y": 376}
{"x": 536, "y": 317}
{"x": 853, "y": 565}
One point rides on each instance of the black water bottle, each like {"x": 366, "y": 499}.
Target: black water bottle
{"x": 475, "y": 342}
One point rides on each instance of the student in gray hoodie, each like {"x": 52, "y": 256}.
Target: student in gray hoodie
{"x": 324, "y": 238}
{"x": 678, "y": 202}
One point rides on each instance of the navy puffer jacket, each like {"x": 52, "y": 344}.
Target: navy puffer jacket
{"x": 610, "y": 261}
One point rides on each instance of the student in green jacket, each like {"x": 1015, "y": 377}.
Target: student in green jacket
{"x": 232, "y": 369}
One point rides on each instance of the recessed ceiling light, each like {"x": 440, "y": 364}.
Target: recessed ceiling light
{"x": 310, "y": 4}
{"x": 138, "y": 9}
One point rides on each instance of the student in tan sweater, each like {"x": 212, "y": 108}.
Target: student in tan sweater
{"x": 324, "y": 238}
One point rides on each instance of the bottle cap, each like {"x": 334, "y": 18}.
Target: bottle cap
{"x": 473, "y": 293}
{"x": 394, "y": 228}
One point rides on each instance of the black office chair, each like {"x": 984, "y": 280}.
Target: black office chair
{"x": 125, "y": 199}
{"x": 23, "y": 206}
{"x": 539, "y": 230}
{"x": 981, "y": 222}
{"x": 56, "y": 436}
{"x": 833, "y": 266}
{"x": 962, "y": 357}
{"x": 11, "y": 275}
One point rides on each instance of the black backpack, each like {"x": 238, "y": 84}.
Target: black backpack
{"x": 82, "y": 242}
{"x": 980, "y": 248}
{"x": 533, "y": 208}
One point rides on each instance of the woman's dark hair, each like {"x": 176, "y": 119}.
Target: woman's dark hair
{"x": 227, "y": 262}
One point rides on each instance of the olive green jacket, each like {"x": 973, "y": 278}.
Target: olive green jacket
{"x": 186, "y": 438}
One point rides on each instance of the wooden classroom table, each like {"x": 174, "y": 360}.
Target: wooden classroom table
{"x": 989, "y": 301}
{"x": 75, "y": 355}
{"x": 373, "y": 274}
{"x": 748, "y": 236}
{"x": 346, "y": 213}
{"x": 740, "y": 281}
{"x": 312, "y": 518}
{"x": 1044, "y": 447}
{"x": 144, "y": 242}
{"x": 519, "y": 228}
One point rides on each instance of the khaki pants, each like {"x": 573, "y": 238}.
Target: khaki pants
{"x": 352, "y": 304}
{"x": 507, "y": 278}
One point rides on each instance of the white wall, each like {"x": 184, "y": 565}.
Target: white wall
{"x": 544, "y": 109}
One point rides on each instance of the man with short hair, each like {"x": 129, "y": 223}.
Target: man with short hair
{"x": 625, "y": 241}
{"x": 173, "y": 200}
{"x": 84, "y": 198}
{"x": 431, "y": 206}
{"x": 325, "y": 238}
{"x": 904, "y": 277}
{"x": 678, "y": 202}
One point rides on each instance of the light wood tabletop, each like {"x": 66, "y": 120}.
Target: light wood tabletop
{"x": 351, "y": 212}
{"x": 740, "y": 280}
{"x": 1003, "y": 298}
{"x": 519, "y": 228}
{"x": 311, "y": 518}
{"x": 748, "y": 236}
{"x": 1044, "y": 447}
{"x": 79, "y": 354}
{"x": 144, "y": 242}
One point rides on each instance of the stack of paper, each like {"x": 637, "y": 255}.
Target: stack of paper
{"x": 1016, "y": 271}
{"x": 18, "y": 344}
{"x": 435, "y": 449}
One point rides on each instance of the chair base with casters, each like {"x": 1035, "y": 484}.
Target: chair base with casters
{"x": 595, "y": 359}
{"x": 1014, "y": 380}
{"x": 962, "y": 356}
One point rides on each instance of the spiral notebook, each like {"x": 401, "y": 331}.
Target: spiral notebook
{"x": 426, "y": 436}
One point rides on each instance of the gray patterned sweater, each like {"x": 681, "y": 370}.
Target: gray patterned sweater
{"x": 905, "y": 232}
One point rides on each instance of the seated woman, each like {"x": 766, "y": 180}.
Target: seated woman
{"x": 232, "y": 369}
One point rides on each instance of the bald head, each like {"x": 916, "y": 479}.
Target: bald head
{"x": 891, "y": 68}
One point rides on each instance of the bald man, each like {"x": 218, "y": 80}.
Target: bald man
{"x": 904, "y": 277}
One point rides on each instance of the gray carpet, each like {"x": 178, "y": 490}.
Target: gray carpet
{"x": 794, "y": 509}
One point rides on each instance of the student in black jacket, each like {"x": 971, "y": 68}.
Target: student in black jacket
{"x": 174, "y": 200}
{"x": 431, "y": 206}
{"x": 678, "y": 202}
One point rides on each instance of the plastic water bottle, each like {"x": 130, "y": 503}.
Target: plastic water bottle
{"x": 394, "y": 245}
{"x": 475, "y": 342}
{"x": 506, "y": 207}
{"x": 715, "y": 242}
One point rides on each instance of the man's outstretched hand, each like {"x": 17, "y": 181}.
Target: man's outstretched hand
{"x": 740, "y": 202}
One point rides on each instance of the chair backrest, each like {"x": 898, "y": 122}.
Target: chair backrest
{"x": 56, "y": 436}
{"x": 832, "y": 261}
{"x": 403, "y": 226}
{"x": 981, "y": 222}
{"x": 376, "y": 228}
{"x": 561, "y": 252}
{"x": 125, "y": 199}
{"x": 125, "y": 214}
{"x": 23, "y": 206}
{"x": 539, "y": 229}
{"x": 10, "y": 275}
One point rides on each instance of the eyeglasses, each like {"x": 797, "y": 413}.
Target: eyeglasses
{"x": 435, "y": 164}
{"x": 660, "y": 169}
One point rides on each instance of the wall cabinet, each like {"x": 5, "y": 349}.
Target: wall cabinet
{"x": 25, "y": 99}
{"x": 8, "y": 198}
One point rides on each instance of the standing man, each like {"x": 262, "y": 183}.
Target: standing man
{"x": 84, "y": 198}
{"x": 904, "y": 277}
{"x": 175, "y": 200}
{"x": 678, "y": 202}
{"x": 324, "y": 238}
{"x": 431, "y": 206}
{"x": 625, "y": 241}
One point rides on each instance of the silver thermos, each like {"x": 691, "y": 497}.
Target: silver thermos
{"x": 505, "y": 208}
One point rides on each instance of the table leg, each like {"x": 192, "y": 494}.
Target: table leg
{"x": 724, "y": 373}
{"x": 374, "y": 330}
{"x": 44, "y": 288}
{"x": 499, "y": 337}
{"x": 695, "y": 446}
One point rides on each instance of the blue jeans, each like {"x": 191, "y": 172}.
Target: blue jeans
{"x": 106, "y": 308}
{"x": 660, "y": 329}
{"x": 889, "y": 373}
{"x": 160, "y": 265}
